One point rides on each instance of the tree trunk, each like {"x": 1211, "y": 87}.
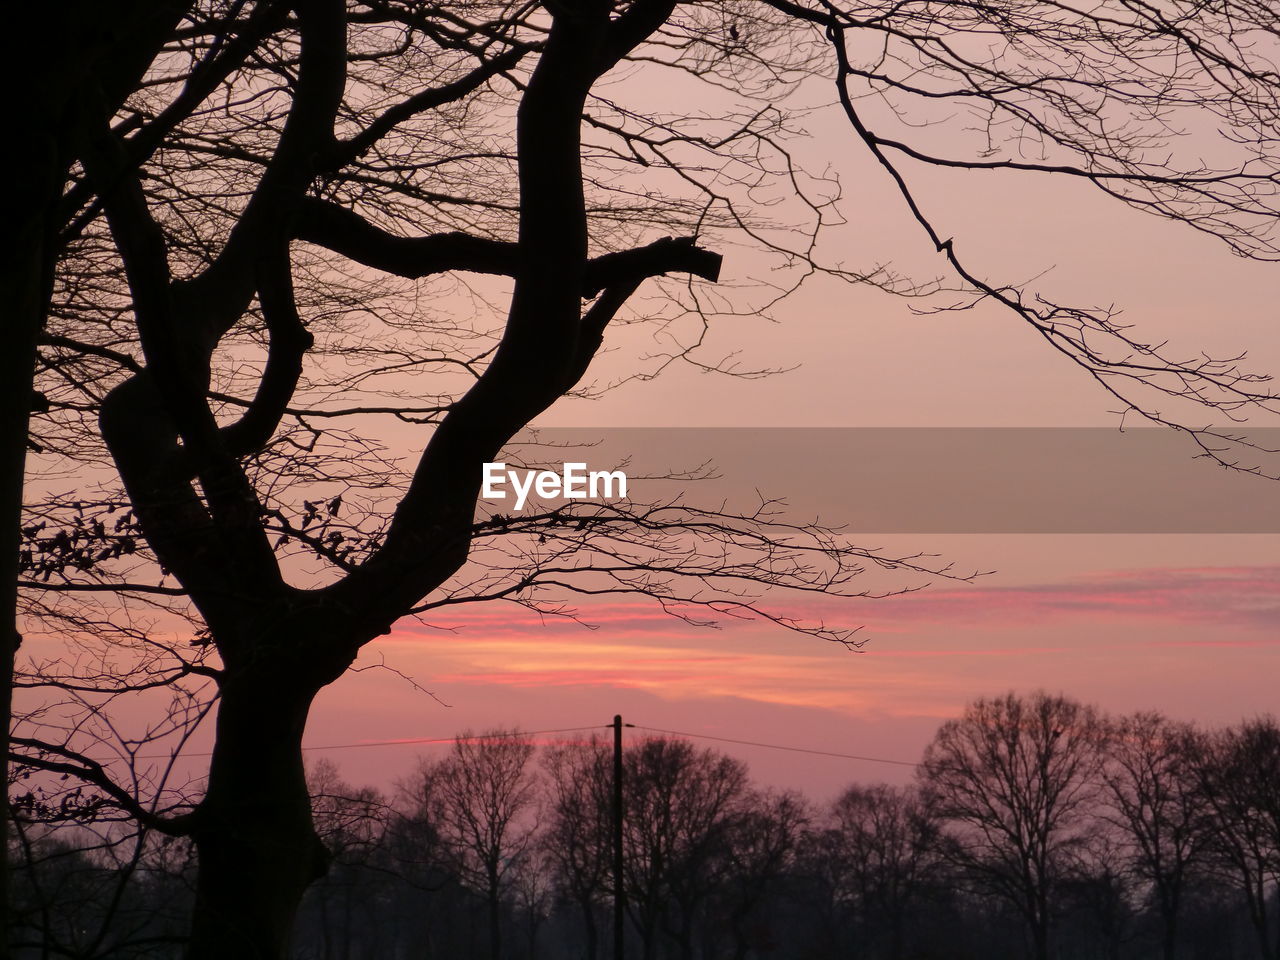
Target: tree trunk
{"x": 258, "y": 849}
{"x": 1260, "y": 924}
{"x": 532, "y": 930}
{"x": 495, "y": 920}
{"x": 896, "y": 929}
{"x": 686, "y": 937}
{"x": 26, "y": 281}
{"x": 1040, "y": 941}
{"x": 24, "y": 289}
{"x": 1170, "y": 945}
{"x": 740, "y": 946}
{"x": 648, "y": 938}
{"x": 589, "y": 927}
{"x": 110, "y": 45}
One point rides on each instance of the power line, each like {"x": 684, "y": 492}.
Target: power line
{"x": 429, "y": 740}
{"x": 402, "y": 741}
{"x": 677, "y": 733}
{"x": 778, "y": 746}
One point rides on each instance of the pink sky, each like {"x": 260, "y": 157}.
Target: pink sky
{"x": 1185, "y": 624}
{"x": 1197, "y": 642}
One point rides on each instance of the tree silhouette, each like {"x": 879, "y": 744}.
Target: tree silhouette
{"x": 1015, "y": 776}
{"x": 884, "y": 845}
{"x": 248, "y": 274}
{"x": 1151, "y": 785}
{"x": 735, "y": 870}
{"x": 681, "y": 806}
{"x": 1239, "y": 779}
{"x": 578, "y": 828}
{"x": 103, "y": 55}
{"x": 482, "y": 800}
{"x": 763, "y": 840}
{"x": 351, "y": 823}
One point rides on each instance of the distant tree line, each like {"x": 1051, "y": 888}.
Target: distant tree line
{"x": 1036, "y": 826}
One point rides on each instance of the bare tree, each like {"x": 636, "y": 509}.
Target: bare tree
{"x": 1100, "y": 899}
{"x": 84, "y": 888}
{"x": 252, "y": 279}
{"x": 482, "y": 800}
{"x": 885, "y": 847}
{"x": 577, "y": 830}
{"x": 208, "y": 459}
{"x": 1239, "y": 774}
{"x": 1016, "y": 777}
{"x": 351, "y": 822}
{"x": 763, "y": 840}
{"x": 1155, "y": 799}
{"x": 533, "y": 895}
{"x": 681, "y": 804}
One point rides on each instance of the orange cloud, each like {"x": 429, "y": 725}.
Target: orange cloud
{"x": 948, "y": 644}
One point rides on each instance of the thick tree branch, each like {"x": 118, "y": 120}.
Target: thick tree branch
{"x": 178, "y": 353}
{"x": 429, "y": 536}
{"x": 224, "y": 290}
{"x": 290, "y": 342}
{"x": 635, "y": 25}
{"x": 668, "y": 255}
{"x": 346, "y": 232}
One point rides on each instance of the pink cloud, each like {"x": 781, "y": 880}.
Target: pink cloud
{"x": 1240, "y": 596}
{"x": 943, "y": 645}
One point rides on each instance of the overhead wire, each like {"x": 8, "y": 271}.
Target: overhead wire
{"x": 779, "y": 746}
{"x": 522, "y": 734}
{"x": 402, "y": 741}
{"x": 519, "y": 734}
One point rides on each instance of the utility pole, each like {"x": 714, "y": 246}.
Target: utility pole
{"x": 619, "y": 902}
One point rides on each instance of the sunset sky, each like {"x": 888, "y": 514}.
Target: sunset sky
{"x": 1164, "y": 619}
{"x": 1178, "y": 622}
{"x": 930, "y": 356}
